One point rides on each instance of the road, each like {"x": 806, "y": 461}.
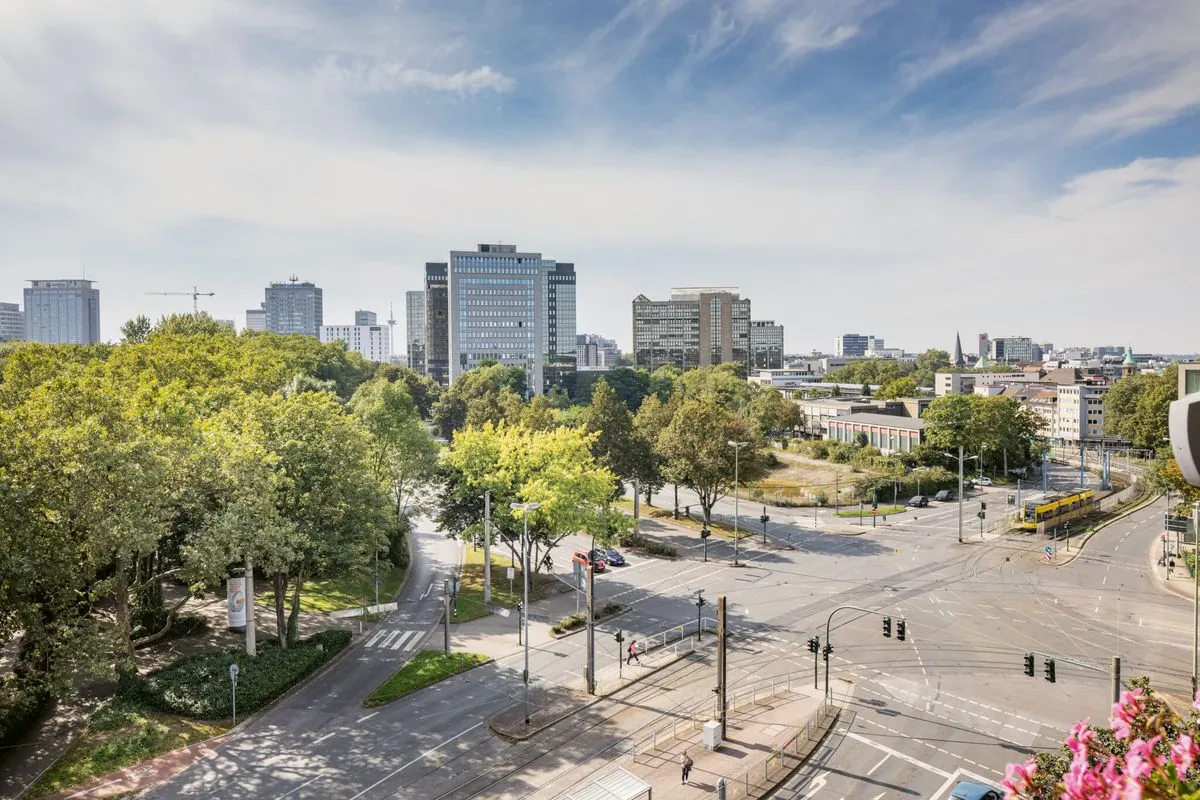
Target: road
{"x": 950, "y": 700}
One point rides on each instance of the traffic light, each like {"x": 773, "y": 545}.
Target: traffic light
{"x": 900, "y": 629}
{"x": 828, "y": 649}
{"x": 619, "y": 637}
{"x": 887, "y": 627}
{"x": 1029, "y": 664}
{"x": 705, "y": 533}
{"x": 1050, "y": 669}
{"x": 814, "y": 644}
{"x": 983, "y": 506}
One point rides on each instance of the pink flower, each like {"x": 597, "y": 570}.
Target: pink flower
{"x": 1196, "y": 700}
{"x": 1125, "y": 711}
{"x": 1081, "y": 735}
{"x": 1140, "y": 761}
{"x": 1183, "y": 755}
{"x": 1017, "y": 778}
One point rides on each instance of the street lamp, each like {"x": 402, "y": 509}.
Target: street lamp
{"x": 960, "y": 487}
{"x": 737, "y": 449}
{"x": 525, "y": 509}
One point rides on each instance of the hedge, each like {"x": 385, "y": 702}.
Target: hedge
{"x": 579, "y": 620}
{"x": 199, "y": 687}
{"x": 20, "y": 705}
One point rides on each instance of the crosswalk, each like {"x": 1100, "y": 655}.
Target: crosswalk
{"x": 394, "y": 640}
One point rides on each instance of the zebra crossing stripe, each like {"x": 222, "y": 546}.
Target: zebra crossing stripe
{"x": 375, "y": 637}
{"x": 400, "y": 641}
{"x": 388, "y": 639}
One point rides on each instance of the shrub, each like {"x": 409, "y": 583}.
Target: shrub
{"x": 771, "y": 459}
{"x": 819, "y": 449}
{"x": 822, "y": 498}
{"x": 647, "y": 545}
{"x": 574, "y": 622}
{"x": 198, "y": 686}
{"x": 20, "y": 704}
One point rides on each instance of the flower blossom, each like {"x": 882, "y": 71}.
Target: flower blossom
{"x": 1125, "y": 711}
{"x": 1183, "y": 754}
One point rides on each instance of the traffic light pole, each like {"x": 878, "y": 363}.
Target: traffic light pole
{"x": 1114, "y": 670}
{"x": 829, "y": 645}
{"x": 591, "y": 630}
{"x": 721, "y": 629}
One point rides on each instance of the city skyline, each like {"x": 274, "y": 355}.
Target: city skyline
{"x": 1046, "y": 153}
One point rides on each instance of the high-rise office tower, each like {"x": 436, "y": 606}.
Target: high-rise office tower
{"x": 12, "y": 322}
{"x": 414, "y": 318}
{"x": 766, "y": 344}
{"x": 697, "y": 327}
{"x": 294, "y": 307}
{"x": 256, "y": 318}
{"x": 854, "y": 345}
{"x": 437, "y": 322}
{"x": 366, "y": 318}
{"x": 558, "y": 324}
{"x": 62, "y": 312}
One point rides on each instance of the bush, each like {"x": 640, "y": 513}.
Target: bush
{"x": 650, "y": 546}
{"x": 820, "y": 449}
{"x": 822, "y": 498}
{"x": 771, "y": 459}
{"x": 20, "y": 704}
{"x": 842, "y": 452}
{"x": 198, "y": 686}
{"x": 574, "y": 622}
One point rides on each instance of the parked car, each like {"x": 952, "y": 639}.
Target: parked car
{"x": 970, "y": 790}
{"x": 594, "y": 557}
{"x": 613, "y": 557}
{"x": 984, "y": 481}
{"x": 945, "y": 496}
{"x": 920, "y": 501}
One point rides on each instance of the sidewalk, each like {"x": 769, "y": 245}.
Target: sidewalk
{"x": 125, "y": 782}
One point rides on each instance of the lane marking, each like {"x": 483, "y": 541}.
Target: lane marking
{"x": 886, "y": 756}
{"x": 421, "y": 757}
{"x": 323, "y": 738}
{"x": 402, "y": 639}
{"x": 367, "y": 717}
{"x": 902, "y": 756}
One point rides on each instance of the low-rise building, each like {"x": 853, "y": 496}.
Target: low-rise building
{"x": 891, "y": 434}
{"x": 818, "y": 411}
{"x": 951, "y": 383}
{"x": 1080, "y": 412}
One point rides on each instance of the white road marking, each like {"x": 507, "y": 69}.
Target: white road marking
{"x": 367, "y": 717}
{"x": 427, "y": 591}
{"x": 404, "y": 637}
{"x": 886, "y": 756}
{"x": 898, "y": 754}
{"x": 323, "y": 738}
{"x": 388, "y": 639}
{"x": 424, "y": 755}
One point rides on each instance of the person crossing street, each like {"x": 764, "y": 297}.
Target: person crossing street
{"x": 633, "y": 652}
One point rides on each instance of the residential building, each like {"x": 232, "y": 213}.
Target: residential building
{"x": 766, "y": 344}
{"x": 1042, "y": 400}
{"x": 437, "y": 322}
{"x": 1011, "y": 349}
{"x": 1080, "y": 412}
{"x": 950, "y": 383}
{"x": 697, "y": 327}
{"x": 62, "y": 312}
{"x": 12, "y": 322}
{"x": 414, "y": 324}
{"x": 373, "y": 342}
{"x": 891, "y": 434}
{"x": 595, "y": 351}
{"x": 854, "y": 345}
{"x": 496, "y": 302}
{"x": 366, "y": 318}
{"x": 558, "y": 325}
{"x": 294, "y": 307}
{"x": 256, "y": 318}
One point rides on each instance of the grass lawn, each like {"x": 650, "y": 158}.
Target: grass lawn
{"x": 866, "y": 512}
{"x": 470, "y": 590}
{"x": 425, "y": 669}
{"x": 722, "y": 529}
{"x": 333, "y": 594}
{"x": 122, "y": 734}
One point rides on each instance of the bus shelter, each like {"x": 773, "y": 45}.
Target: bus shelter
{"x": 620, "y": 784}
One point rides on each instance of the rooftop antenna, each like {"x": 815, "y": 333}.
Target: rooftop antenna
{"x": 195, "y": 293}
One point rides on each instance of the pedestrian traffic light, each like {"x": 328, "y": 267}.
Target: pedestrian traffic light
{"x": 705, "y": 533}
{"x": 1029, "y": 664}
{"x": 828, "y": 649}
{"x": 900, "y": 629}
{"x": 1050, "y": 669}
{"x": 887, "y": 627}
{"x": 814, "y": 644}
{"x": 619, "y": 637}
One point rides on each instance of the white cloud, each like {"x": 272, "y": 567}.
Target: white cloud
{"x": 380, "y": 77}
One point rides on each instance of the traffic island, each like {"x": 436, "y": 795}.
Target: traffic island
{"x": 424, "y": 669}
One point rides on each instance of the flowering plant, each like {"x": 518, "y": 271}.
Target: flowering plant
{"x": 1149, "y": 753}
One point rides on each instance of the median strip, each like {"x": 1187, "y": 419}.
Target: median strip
{"x": 424, "y": 669}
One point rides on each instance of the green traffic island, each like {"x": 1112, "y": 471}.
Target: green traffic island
{"x": 470, "y": 605}
{"x": 575, "y": 622}
{"x": 882, "y": 511}
{"x": 684, "y": 520}
{"x": 184, "y": 703}
{"x": 647, "y": 547}
{"x": 424, "y": 669}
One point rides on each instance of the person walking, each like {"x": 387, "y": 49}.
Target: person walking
{"x": 633, "y": 652}
{"x": 686, "y": 763}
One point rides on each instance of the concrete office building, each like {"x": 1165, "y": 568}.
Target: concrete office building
{"x": 62, "y": 312}
{"x": 697, "y": 327}
{"x": 595, "y": 351}
{"x": 856, "y": 345}
{"x": 12, "y": 322}
{"x": 437, "y": 322}
{"x": 294, "y": 307}
{"x": 766, "y": 344}
{"x": 366, "y": 318}
{"x": 1080, "y": 413}
{"x": 256, "y": 318}
{"x": 373, "y": 342}
{"x": 496, "y": 301}
{"x": 414, "y": 326}
{"x": 558, "y": 324}
{"x": 984, "y": 346}
{"x": 1012, "y": 349}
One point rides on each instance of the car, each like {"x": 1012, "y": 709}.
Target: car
{"x": 593, "y": 557}
{"x": 984, "y": 481}
{"x": 920, "y": 501}
{"x": 970, "y": 790}
{"x": 945, "y": 496}
{"x": 613, "y": 557}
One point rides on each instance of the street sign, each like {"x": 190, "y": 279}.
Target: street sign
{"x": 1047, "y": 551}
{"x": 512, "y": 573}
{"x": 233, "y": 672}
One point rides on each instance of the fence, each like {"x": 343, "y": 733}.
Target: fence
{"x": 1121, "y": 497}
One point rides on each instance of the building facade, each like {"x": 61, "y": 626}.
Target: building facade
{"x": 558, "y": 325}
{"x": 891, "y": 434}
{"x": 366, "y": 318}
{"x": 1012, "y": 349}
{"x": 437, "y": 321}
{"x": 256, "y": 318}
{"x": 373, "y": 342}
{"x": 12, "y": 322}
{"x": 1080, "y": 412}
{"x": 62, "y": 312}
{"x": 414, "y": 330}
{"x": 294, "y": 307}
{"x": 496, "y": 298}
{"x": 766, "y": 344}
{"x": 697, "y": 327}
{"x": 595, "y": 351}
{"x": 855, "y": 345}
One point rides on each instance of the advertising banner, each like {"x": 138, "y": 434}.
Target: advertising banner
{"x": 235, "y": 593}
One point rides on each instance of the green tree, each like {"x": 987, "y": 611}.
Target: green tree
{"x": 652, "y": 418}
{"x": 199, "y": 323}
{"x": 1136, "y": 407}
{"x": 609, "y": 422}
{"x": 722, "y": 382}
{"x": 696, "y": 452}
{"x": 488, "y": 393}
{"x": 927, "y": 364}
{"x": 423, "y": 390}
{"x": 773, "y": 413}
{"x": 136, "y": 330}
{"x": 897, "y": 387}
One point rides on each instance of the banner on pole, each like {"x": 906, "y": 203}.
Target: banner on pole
{"x": 235, "y": 598}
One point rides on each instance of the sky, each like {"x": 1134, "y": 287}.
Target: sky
{"x": 902, "y": 168}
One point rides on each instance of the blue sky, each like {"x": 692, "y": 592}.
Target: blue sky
{"x": 906, "y": 169}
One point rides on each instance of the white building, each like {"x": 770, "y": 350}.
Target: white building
{"x": 374, "y": 342}
{"x": 12, "y": 322}
{"x": 1080, "y": 412}
{"x": 62, "y": 312}
{"x": 256, "y": 318}
{"x": 945, "y": 383}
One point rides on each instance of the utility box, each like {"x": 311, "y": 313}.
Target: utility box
{"x": 712, "y": 734}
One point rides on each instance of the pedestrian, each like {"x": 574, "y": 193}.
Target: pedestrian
{"x": 633, "y": 652}
{"x": 686, "y": 762}
{"x": 1172, "y": 565}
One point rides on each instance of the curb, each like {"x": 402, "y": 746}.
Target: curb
{"x": 484, "y": 663}
{"x": 1169, "y": 586}
{"x": 1088, "y": 537}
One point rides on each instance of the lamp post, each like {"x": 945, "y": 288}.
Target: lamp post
{"x": 737, "y": 449}
{"x": 525, "y": 509}
{"x": 960, "y": 487}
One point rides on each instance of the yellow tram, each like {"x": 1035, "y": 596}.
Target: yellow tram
{"x": 1054, "y": 507}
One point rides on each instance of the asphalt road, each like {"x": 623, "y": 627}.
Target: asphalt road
{"x": 950, "y": 701}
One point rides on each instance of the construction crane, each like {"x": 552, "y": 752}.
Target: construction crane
{"x": 194, "y": 294}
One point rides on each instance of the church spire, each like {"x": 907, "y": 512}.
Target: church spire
{"x": 959, "y": 361}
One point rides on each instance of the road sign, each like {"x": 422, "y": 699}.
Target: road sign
{"x": 233, "y": 672}
{"x": 1047, "y": 551}
{"x": 511, "y": 573}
